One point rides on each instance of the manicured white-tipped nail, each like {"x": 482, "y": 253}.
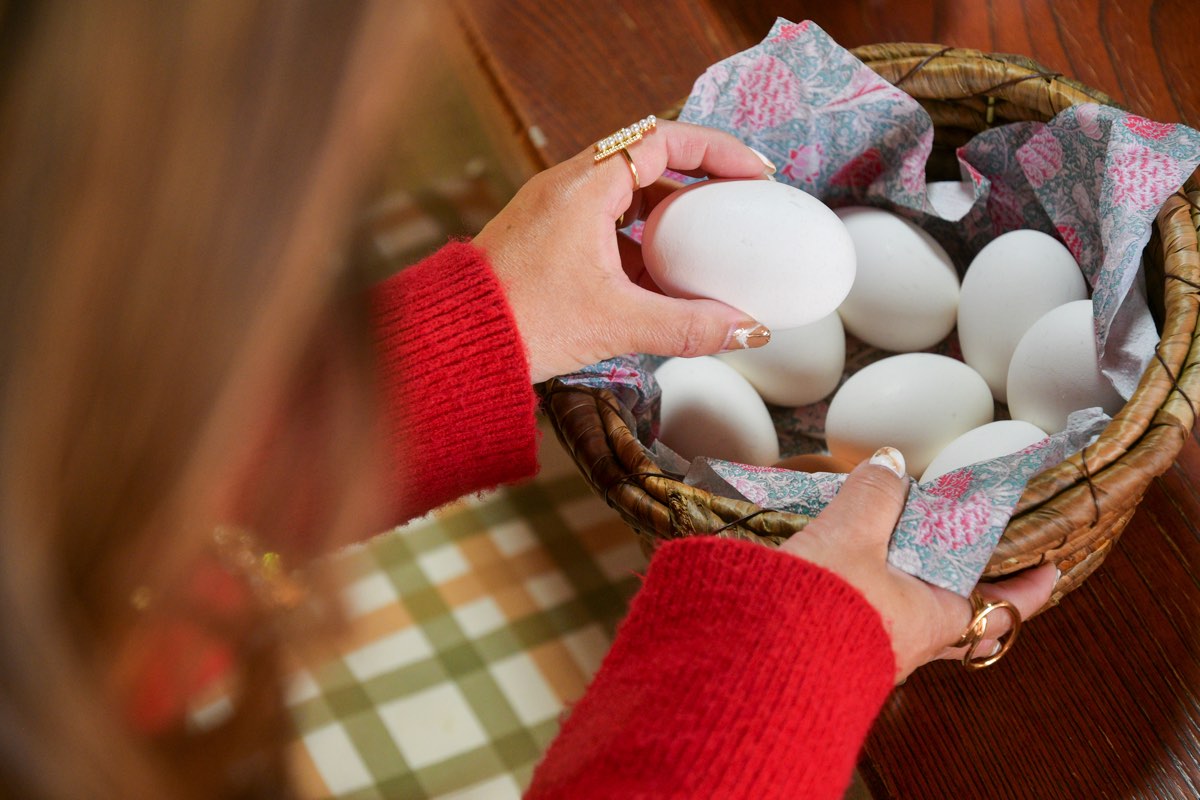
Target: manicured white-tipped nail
{"x": 747, "y": 335}
{"x": 891, "y": 458}
{"x": 770, "y": 165}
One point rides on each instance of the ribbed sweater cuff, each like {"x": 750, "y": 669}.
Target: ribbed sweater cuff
{"x": 455, "y": 380}
{"x": 740, "y": 671}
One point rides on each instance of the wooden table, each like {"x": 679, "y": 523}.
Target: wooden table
{"x": 1102, "y": 696}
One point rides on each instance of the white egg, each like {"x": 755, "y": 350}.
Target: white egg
{"x": 765, "y": 248}
{"x": 1055, "y": 370}
{"x": 952, "y": 200}
{"x": 798, "y": 366}
{"x": 708, "y": 409}
{"x": 983, "y": 444}
{"x": 905, "y": 291}
{"x": 916, "y": 402}
{"x": 1013, "y": 281}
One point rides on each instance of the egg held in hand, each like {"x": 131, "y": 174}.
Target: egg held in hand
{"x": 916, "y": 402}
{"x": 708, "y": 409}
{"x": 1010, "y": 284}
{"x": 798, "y": 366}
{"x": 1055, "y": 370}
{"x": 905, "y": 292}
{"x": 768, "y": 249}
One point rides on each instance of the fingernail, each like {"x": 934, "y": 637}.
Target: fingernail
{"x": 995, "y": 649}
{"x": 747, "y": 335}
{"x": 766, "y": 161}
{"x": 891, "y": 458}
{"x": 1057, "y": 574}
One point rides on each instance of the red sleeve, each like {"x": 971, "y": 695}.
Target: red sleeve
{"x": 740, "y": 671}
{"x": 455, "y": 381}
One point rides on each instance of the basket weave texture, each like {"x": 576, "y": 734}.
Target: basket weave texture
{"x": 1071, "y": 514}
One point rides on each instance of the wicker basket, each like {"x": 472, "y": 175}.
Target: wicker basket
{"x": 1069, "y": 515}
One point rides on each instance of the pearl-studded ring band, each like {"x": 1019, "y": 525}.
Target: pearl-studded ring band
{"x": 610, "y": 145}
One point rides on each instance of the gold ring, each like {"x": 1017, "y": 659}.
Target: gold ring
{"x": 619, "y": 141}
{"x": 976, "y": 632}
{"x": 977, "y": 625}
{"x": 637, "y": 182}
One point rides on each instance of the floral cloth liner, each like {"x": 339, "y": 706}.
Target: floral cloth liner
{"x": 1094, "y": 176}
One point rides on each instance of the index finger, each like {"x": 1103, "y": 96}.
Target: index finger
{"x": 679, "y": 146}
{"x": 685, "y": 147}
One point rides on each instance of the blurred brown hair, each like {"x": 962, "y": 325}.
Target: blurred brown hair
{"x": 177, "y": 181}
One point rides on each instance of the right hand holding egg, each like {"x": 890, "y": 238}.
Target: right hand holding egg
{"x": 577, "y": 288}
{"x": 850, "y": 538}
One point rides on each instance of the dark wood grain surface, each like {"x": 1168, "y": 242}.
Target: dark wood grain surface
{"x": 1101, "y": 698}
{"x": 1142, "y": 52}
{"x": 573, "y": 71}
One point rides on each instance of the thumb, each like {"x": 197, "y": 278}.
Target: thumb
{"x": 865, "y": 510}
{"x": 1028, "y": 591}
{"x": 669, "y": 326}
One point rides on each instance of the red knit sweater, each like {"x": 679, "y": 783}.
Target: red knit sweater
{"x": 739, "y": 672}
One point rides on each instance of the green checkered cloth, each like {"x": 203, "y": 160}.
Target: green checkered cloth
{"x": 473, "y": 629}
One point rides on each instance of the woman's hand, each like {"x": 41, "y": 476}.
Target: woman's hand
{"x": 578, "y": 289}
{"x": 850, "y": 537}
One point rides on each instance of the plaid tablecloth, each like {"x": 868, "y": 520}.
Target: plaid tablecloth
{"x": 473, "y": 629}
